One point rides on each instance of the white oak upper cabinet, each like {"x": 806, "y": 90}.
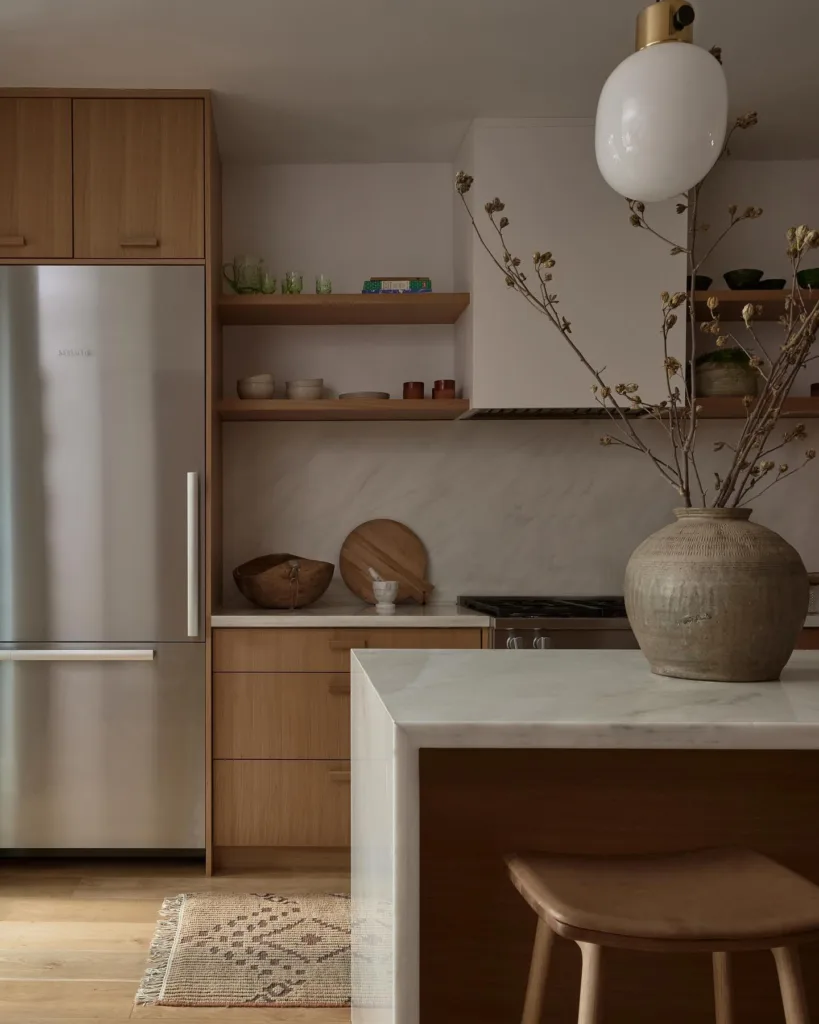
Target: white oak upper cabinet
{"x": 609, "y": 274}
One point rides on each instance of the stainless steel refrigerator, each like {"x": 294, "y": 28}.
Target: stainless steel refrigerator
{"x": 102, "y": 655}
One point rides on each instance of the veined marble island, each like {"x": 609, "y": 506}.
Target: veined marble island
{"x": 462, "y": 757}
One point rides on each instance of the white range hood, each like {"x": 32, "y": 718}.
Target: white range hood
{"x": 609, "y": 274}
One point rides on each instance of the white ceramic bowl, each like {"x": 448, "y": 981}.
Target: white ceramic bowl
{"x": 305, "y": 390}
{"x": 260, "y": 377}
{"x": 249, "y": 388}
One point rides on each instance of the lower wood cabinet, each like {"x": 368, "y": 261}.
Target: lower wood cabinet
{"x": 281, "y": 715}
{"x": 281, "y": 733}
{"x": 281, "y": 803}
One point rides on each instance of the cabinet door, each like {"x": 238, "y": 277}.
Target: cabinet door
{"x": 139, "y": 179}
{"x": 35, "y": 178}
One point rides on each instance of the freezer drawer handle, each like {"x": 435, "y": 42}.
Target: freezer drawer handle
{"x": 143, "y": 654}
{"x": 193, "y": 554}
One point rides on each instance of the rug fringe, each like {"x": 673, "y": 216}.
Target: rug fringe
{"x": 160, "y": 952}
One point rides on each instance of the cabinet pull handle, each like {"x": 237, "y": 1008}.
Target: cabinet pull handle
{"x": 347, "y": 645}
{"x": 140, "y": 242}
{"x": 339, "y": 775}
{"x": 12, "y": 241}
{"x": 340, "y": 689}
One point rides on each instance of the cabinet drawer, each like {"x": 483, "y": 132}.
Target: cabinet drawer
{"x": 321, "y": 650}
{"x": 287, "y": 715}
{"x": 281, "y": 803}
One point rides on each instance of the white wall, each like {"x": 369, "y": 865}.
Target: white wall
{"x": 350, "y": 221}
{"x": 503, "y": 507}
{"x": 531, "y": 507}
{"x": 787, "y": 192}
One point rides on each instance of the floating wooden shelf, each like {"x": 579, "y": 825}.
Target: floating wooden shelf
{"x": 343, "y": 409}
{"x": 325, "y": 310}
{"x": 733, "y": 409}
{"x": 731, "y": 303}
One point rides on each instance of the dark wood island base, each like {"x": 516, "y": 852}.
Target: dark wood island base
{"x": 476, "y": 933}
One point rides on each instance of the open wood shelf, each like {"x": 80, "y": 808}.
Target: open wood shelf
{"x": 343, "y": 409}
{"x": 326, "y": 310}
{"x": 731, "y": 303}
{"x": 733, "y": 409}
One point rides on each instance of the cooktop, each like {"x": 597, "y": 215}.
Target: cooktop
{"x": 547, "y": 607}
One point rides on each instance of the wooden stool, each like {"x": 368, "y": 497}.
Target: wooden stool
{"x": 715, "y": 901}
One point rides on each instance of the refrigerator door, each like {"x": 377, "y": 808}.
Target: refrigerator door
{"x": 102, "y": 419}
{"x": 102, "y": 748}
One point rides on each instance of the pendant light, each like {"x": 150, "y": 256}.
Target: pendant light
{"x": 662, "y": 114}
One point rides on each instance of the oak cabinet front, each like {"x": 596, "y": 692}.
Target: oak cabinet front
{"x": 139, "y": 179}
{"x": 281, "y": 803}
{"x": 281, "y": 731}
{"x": 35, "y": 178}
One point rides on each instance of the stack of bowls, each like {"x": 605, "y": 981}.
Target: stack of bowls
{"x": 308, "y": 389}
{"x": 262, "y": 385}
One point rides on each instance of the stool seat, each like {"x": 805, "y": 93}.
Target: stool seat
{"x": 715, "y": 899}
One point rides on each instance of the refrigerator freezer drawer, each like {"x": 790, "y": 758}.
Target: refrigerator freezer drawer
{"x": 100, "y": 751}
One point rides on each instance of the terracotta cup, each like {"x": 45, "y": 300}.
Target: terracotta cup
{"x": 414, "y": 389}
{"x": 443, "y": 389}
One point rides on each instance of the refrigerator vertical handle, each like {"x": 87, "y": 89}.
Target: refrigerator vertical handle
{"x": 193, "y": 554}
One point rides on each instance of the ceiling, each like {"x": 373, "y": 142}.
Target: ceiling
{"x": 393, "y": 80}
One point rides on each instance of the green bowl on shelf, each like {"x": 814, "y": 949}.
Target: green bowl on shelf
{"x": 701, "y": 282}
{"x": 772, "y": 284}
{"x": 808, "y": 278}
{"x": 743, "y": 280}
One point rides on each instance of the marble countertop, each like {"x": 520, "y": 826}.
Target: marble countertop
{"x": 592, "y": 699}
{"x": 354, "y": 616}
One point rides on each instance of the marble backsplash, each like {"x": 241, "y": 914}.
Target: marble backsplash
{"x": 503, "y": 507}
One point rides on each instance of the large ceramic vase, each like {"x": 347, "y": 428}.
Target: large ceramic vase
{"x": 714, "y": 596}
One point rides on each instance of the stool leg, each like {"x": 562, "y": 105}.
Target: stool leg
{"x": 723, "y": 997}
{"x": 538, "y": 971}
{"x": 790, "y": 984}
{"x": 590, "y": 984}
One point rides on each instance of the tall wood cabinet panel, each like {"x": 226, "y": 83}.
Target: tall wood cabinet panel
{"x": 139, "y": 178}
{"x": 35, "y": 177}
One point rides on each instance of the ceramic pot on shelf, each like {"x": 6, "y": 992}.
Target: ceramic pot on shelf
{"x": 714, "y": 596}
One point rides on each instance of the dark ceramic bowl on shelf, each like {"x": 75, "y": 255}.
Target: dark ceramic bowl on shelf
{"x": 701, "y": 282}
{"x": 744, "y": 279}
{"x": 808, "y": 278}
{"x": 772, "y": 284}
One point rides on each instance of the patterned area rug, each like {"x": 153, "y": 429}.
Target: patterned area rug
{"x": 242, "y": 949}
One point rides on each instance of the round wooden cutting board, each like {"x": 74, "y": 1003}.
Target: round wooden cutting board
{"x": 394, "y": 551}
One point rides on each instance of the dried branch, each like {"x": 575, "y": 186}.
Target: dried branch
{"x": 678, "y": 413}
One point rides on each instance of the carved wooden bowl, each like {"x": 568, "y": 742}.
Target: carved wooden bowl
{"x": 283, "y": 581}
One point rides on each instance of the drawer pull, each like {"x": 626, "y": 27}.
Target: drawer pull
{"x": 340, "y": 689}
{"x": 140, "y": 242}
{"x": 339, "y": 775}
{"x": 12, "y": 241}
{"x": 347, "y": 645}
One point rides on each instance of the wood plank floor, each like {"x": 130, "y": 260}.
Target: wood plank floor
{"x": 74, "y": 937}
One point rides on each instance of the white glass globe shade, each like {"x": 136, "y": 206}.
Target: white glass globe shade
{"x": 661, "y": 121}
